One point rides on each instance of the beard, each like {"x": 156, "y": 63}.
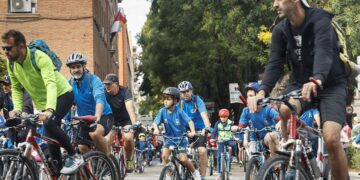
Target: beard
{"x": 77, "y": 75}
{"x": 14, "y": 57}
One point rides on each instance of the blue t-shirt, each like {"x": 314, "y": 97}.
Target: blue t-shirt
{"x": 308, "y": 116}
{"x": 175, "y": 122}
{"x": 193, "y": 112}
{"x": 86, "y": 99}
{"x": 265, "y": 117}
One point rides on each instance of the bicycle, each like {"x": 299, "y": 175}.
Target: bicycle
{"x": 297, "y": 160}
{"x": 212, "y": 157}
{"x": 19, "y": 167}
{"x": 257, "y": 158}
{"x": 140, "y": 160}
{"x": 175, "y": 170}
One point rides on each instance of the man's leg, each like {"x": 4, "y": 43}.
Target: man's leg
{"x": 337, "y": 156}
{"x": 129, "y": 145}
{"x": 203, "y": 160}
{"x": 99, "y": 140}
{"x": 165, "y": 155}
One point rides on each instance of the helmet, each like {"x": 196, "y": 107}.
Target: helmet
{"x": 253, "y": 86}
{"x": 185, "y": 85}
{"x": 172, "y": 91}
{"x": 142, "y": 134}
{"x": 224, "y": 113}
{"x": 75, "y": 58}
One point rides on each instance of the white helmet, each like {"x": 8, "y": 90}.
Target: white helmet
{"x": 185, "y": 85}
{"x": 75, "y": 58}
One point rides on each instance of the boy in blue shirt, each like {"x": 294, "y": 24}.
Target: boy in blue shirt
{"x": 265, "y": 116}
{"x": 175, "y": 122}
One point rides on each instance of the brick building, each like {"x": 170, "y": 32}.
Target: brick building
{"x": 67, "y": 26}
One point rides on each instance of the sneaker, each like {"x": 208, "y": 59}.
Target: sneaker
{"x": 241, "y": 163}
{"x": 72, "y": 164}
{"x": 196, "y": 175}
{"x": 129, "y": 166}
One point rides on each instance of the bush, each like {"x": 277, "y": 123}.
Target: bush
{"x": 353, "y": 155}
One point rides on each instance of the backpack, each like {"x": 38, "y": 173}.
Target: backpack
{"x": 344, "y": 57}
{"x": 39, "y": 44}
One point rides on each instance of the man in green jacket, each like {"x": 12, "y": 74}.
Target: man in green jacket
{"x": 50, "y": 91}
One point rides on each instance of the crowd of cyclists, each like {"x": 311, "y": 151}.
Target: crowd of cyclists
{"x": 34, "y": 84}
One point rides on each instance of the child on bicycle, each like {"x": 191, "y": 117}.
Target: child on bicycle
{"x": 222, "y": 130}
{"x": 175, "y": 122}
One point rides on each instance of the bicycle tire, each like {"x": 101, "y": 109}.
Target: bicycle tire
{"x": 141, "y": 163}
{"x": 15, "y": 154}
{"x": 223, "y": 167}
{"x": 211, "y": 164}
{"x": 97, "y": 160}
{"x": 121, "y": 165}
{"x": 169, "y": 170}
{"x": 245, "y": 159}
{"x": 280, "y": 164}
{"x": 252, "y": 167}
{"x": 116, "y": 165}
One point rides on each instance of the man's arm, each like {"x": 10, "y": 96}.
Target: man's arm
{"x": 48, "y": 75}
{"x": 99, "y": 95}
{"x": 129, "y": 104}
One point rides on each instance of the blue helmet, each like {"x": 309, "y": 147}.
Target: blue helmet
{"x": 253, "y": 86}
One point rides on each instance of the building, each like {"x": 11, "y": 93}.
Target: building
{"x": 67, "y": 26}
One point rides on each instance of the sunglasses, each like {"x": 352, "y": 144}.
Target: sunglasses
{"x": 7, "y": 48}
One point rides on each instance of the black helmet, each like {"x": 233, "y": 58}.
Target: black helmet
{"x": 172, "y": 91}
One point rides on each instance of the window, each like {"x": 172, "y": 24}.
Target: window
{"x": 22, "y": 6}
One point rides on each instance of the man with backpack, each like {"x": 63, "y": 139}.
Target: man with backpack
{"x": 90, "y": 100}
{"x": 195, "y": 108}
{"x": 49, "y": 90}
{"x": 306, "y": 40}
{"x": 122, "y": 105}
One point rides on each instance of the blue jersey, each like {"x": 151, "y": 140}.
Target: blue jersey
{"x": 193, "y": 109}
{"x": 265, "y": 117}
{"x": 87, "y": 97}
{"x": 175, "y": 122}
{"x": 308, "y": 116}
{"x": 357, "y": 139}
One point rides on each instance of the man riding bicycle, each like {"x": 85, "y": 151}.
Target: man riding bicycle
{"x": 122, "y": 105}
{"x": 306, "y": 40}
{"x": 90, "y": 100}
{"x": 195, "y": 108}
{"x": 49, "y": 90}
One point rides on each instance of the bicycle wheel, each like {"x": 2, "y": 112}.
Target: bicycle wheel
{"x": 141, "y": 163}
{"x": 120, "y": 165}
{"x": 252, "y": 168}
{"x": 169, "y": 173}
{"x": 245, "y": 159}
{"x": 14, "y": 166}
{"x": 116, "y": 165}
{"x": 275, "y": 168}
{"x": 211, "y": 164}
{"x": 97, "y": 166}
{"x": 223, "y": 166}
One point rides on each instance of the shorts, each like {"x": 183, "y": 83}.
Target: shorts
{"x": 83, "y": 136}
{"x": 121, "y": 123}
{"x": 199, "y": 141}
{"x": 176, "y": 143}
{"x": 332, "y": 103}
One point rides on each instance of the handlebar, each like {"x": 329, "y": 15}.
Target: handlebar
{"x": 267, "y": 128}
{"x": 296, "y": 94}
{"x": 22, "y": 120}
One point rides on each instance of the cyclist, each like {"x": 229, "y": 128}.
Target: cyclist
{"x": 175, "y": 121}
{"x": 7, "y": 105}
{"x": 222, "y": 130}
{"x": 306, "y": 41}
{"x": 90, "y": 100}
{"x": 121, "y": 103}
{"x": 50, "y": 92}
{"x": 195, "y": 108}
{"x": 265, "y": 116}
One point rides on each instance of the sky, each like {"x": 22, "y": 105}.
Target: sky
{"x": 135, "y": 11}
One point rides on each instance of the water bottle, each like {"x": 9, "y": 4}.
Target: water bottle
{"x": 313, "y": 162}
{"x": 290, "y": 174}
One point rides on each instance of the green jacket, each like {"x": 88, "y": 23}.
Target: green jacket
{"x": 44, "y": 87}
{"x": 222, "y": 130}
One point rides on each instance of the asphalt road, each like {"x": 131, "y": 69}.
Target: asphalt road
{"x": 153, "y": 173}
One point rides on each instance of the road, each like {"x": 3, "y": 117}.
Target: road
{"x": 153, "y": 173}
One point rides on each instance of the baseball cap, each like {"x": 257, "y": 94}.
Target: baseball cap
{"x": 305, "y": 3}
{"x": 253, "y": 86}
{"x": 111, "y": 78}
{"x": 6, "y": 80}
